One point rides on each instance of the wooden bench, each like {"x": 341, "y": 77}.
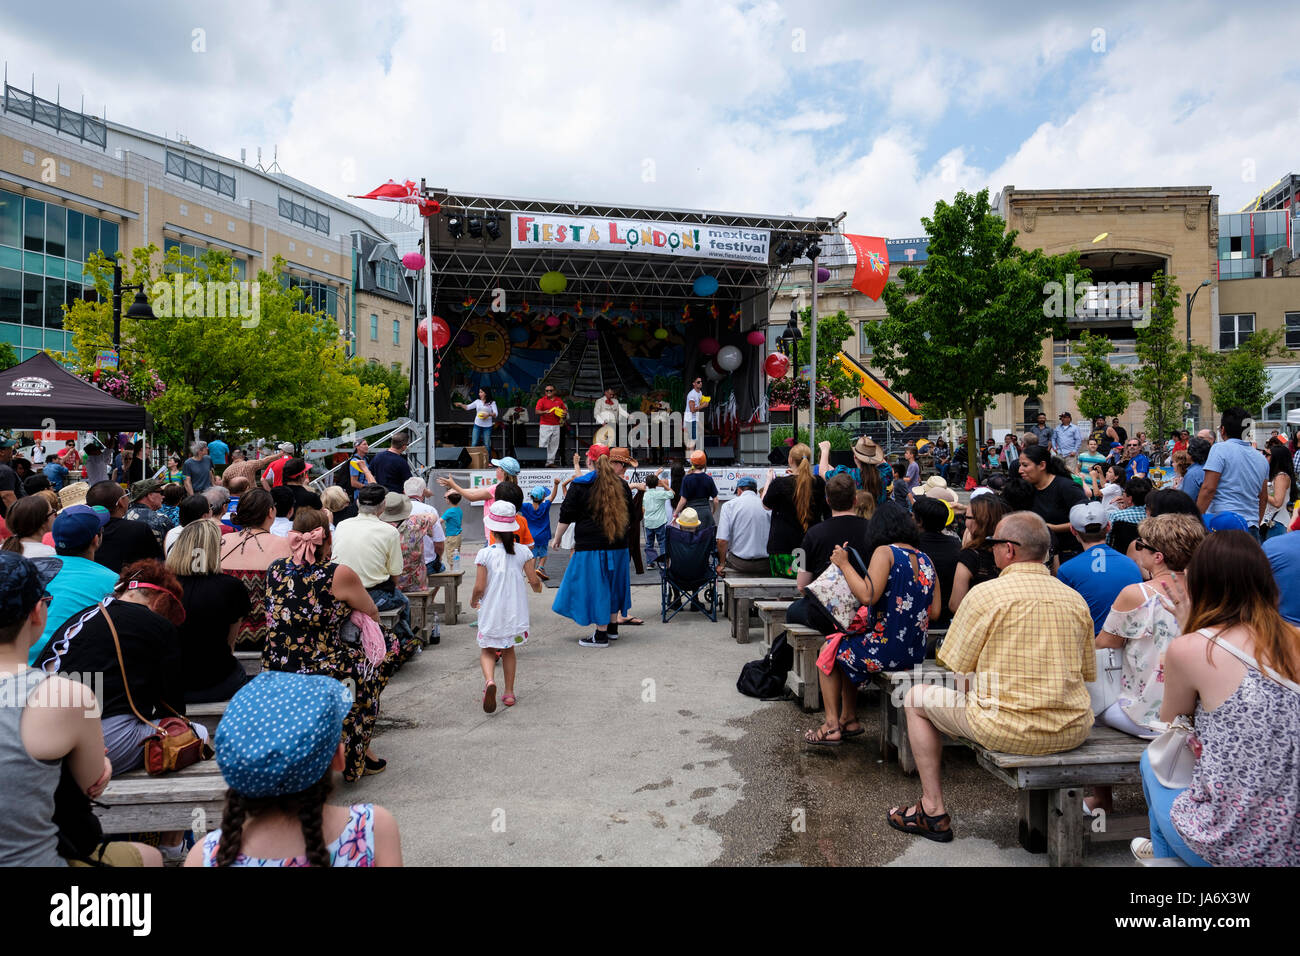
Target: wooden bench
{"x": 138, "y": 803}
{"x": 803, "y": 678}
{"x": 741, "y": 593}
{"x": 209, "y": 715}
{"x": 251, "y": 661}
{"x": 449, "y": 582}
{"x": 772, "y": 614}
{"x": 420, "y": 612}
{"x": 893, "y": 686}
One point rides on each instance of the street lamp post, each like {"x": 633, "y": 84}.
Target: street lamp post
{"x": 140, "y": 308}
{"x": 1191, "y": 297}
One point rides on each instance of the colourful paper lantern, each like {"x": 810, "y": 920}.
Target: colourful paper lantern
{"x": 708, "y": 346}
{"x": 776, "y": 365}
{"x": 661, "y": 333}
{"x": 823, "y": 274}
{"x": 552, "y": 321}
{"x": 729, "y": 358}
{"x": 553, "y": 283}
{"x": 413, "y": 261}
{"x": 705, "y": 285}
{"x": 755, "y": 338}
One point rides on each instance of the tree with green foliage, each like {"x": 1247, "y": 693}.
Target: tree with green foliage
{"x": 8, "y": 356}
{"x": 1239, "y": 378}
{"x": 833, "y": 383}
{"x": 397, "y": 383}
{"x": 1164, "y": 363}
{"x": 1103, "y": 389}
{"x": 278, "y": 371}
{"x": 970, "y": 325}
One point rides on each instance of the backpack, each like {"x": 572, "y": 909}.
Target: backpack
{"x": 765, "y": 679}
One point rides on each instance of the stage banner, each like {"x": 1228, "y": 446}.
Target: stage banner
{"x": 724, "y": 478}
{"x": 733, "y": 243}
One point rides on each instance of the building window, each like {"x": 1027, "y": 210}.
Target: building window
{"x": 307, "y": 218}
{"x": 374, "y": 328}
{"x": 864, "y": 347}
{"x": 1293, "y": 330}
{"x": 397, "y": 368}
{"x": 1033, "y": 408}
{"x": 386, "y": 275}
{"x": 1235, "y": 329}
{"x": 205, "y": 177}
{"x": 194, "y": 253}
{"x": 397, "y": 332}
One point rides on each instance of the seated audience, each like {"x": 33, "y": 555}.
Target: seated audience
{"x": 285, "y": 510}
{"x": 743, "y": 527}
{"x": 215, "y": 605}
{"x": 1100, "y": 573}
{"x": 124, "y": 542}
{"x": 81, "y": 581}
{"x": 29, "y": 520}
{"x": 942, "y": 548}
{"x": 813, "y": 556}
{"x": 247, "y": 554}
{"x": 975, "y": 562}
{"x": 192, "y": 508}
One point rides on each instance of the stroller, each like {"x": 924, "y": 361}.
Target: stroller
{"x": 687, "y": 571}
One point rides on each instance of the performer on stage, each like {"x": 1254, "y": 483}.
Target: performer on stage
{"x": 485, "y": 416}
{"x": 692, "y": 423}
{"x": 551, "y": 412}
{"x": 657, "y": 411}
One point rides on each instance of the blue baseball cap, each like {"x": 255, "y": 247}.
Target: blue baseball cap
{"x": 747, "y": 481}
{"x": 280, "y": 731}
{"x": 22, "y": 584}
{"x": 77, "y": 525}
{"x": 539, "y": 492}
{"x": 1225, "y": 521}
{"x": 509, "y": 465}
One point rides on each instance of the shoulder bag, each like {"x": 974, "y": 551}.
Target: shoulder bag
{"x": 175, "y": 745}
{"x": 830, "y": 593}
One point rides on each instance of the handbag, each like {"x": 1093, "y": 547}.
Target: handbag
{"x": 831, "y": 595}
{"x": 1171, "y": 756}
{"x": 1104, "y": 691}
{"x": 175, "y": 745}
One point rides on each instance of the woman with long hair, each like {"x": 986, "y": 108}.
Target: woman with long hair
{"x": 29, "y": 520}
{"x": 507, "y": 470}
{"x": 485, "y": 416}
{"x": 1236, "y": 672}
{"x": 1282, "y": 491}
{"x": 216, "y": 605}
{"x": 797, "y": 502}
{"x": 245, "y": 556}
{"x": 975, "y": 563}
{"x": 597, "y": 586}
{"x": 1055, "y": 493}
{"x": 308, "y": 598}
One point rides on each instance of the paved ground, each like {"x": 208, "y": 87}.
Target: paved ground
{"x": 646, "y": 754}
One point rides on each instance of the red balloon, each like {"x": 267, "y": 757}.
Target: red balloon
{"x": 441, "y": 332}
{"x": 776, "y": 365}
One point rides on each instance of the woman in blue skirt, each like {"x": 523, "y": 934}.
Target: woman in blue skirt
{"x": 597, "y": 585}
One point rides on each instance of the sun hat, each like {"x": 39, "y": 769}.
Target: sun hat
{"x": 623, "y": 456}
{"x": 867, "y": 452}
{"x": 397, "y": 507}
{"x": 372, "y": 495}
{"x": 280, "y": 731}
{"x": 688, "y": 518}
{"x": 76, "y": 526}
{"x": 699, "y": 459}
{"x": 22, "y": 584}
{"x": 509, "y": 465}
{"x": 538, "y": 492}
{"x": 501, "y": 517}
{"x": 74, "y": 494}
{"x": 294, "y": 467}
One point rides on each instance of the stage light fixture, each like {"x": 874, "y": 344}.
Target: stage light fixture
{"x": 455, "y": 226}
{"x": 813, "y": 249}
{"x": 475, "y": 227}
{"x": 493, "y": 226}
{"x": 785, "y": 252}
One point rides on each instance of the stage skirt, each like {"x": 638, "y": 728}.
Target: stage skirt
{"x": 596, "y": 585}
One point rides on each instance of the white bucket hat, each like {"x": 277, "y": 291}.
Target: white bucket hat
{"x": 501, "y": 517}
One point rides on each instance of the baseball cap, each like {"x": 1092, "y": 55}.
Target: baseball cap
{"x": 509, "y": 465}
{"x": 595, "y": 451}
{"x": 77, "y": 525}
{"x": 1225, "y": 521}
{"x": 538, "y": 492}
{"x": 7, "y": 443}
{"x": 747, "y": 481}
{"x": 699, "y": 458}
{"x": 22, "y": 584}
{"x": 280, "y": 731}
{"x": 286, "y": 447}
{"x": 142, "y": 488}
{"x": 372, "y": 495}
{"x": 1089, "y": 517}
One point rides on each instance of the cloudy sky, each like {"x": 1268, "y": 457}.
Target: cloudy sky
{"x": 877, "y": 110}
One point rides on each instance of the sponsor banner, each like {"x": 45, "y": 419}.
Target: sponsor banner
{"x": 724, "y": 478}
{"x": 733, "y": 243}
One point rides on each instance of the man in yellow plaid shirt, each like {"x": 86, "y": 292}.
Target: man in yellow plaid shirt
{"x": 1022, "y": 647}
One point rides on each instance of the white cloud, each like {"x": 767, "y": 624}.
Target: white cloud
{"x": 811, "y": 121}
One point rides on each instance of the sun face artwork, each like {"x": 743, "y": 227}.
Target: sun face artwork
{"x": 490, "y": 348}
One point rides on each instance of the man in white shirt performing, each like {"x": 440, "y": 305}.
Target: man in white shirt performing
{"x": 743, "y": 524}
{"x": 607, "y": 414}
{"x": 692, "y": 426}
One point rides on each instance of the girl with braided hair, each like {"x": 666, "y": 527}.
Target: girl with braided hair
{"x": 279, "y": 749}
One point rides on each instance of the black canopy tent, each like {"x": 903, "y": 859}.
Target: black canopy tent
{"x": 41, "y": 394}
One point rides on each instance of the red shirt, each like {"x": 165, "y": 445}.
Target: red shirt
{"x": 544, "y": 406}
{"x": 273, "y": 471}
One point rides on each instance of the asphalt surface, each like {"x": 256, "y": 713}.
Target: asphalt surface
{"x": 645, "y": 754}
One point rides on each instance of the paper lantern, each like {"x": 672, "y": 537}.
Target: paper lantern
{"x": 776, "y": 365}
{"x": 755, "y": 338}
{"x": 705, "y": 285}
{"x": 553, "y": 283}
{"x": 661, "y": 333}
{"x": 708, "y": 346}
{"x": 441, "y": 332}
{"x": 729, "y": 358}
{"x": 552, "y": 321}
{"x": 823, "y": 274}
{"x": 413, "y": 261}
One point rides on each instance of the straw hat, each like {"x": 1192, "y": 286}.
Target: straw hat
{"x": 622, "y": 455}
{"x": 688, "y": 518}
{"x": 74, "y": 494}
{"x": 867, "y": 452}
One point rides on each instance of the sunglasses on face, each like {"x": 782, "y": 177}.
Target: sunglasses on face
{"x": 1143, "y": 546}
{"x": 996, "y": 541}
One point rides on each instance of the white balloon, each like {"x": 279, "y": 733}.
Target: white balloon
{"x": 730, "y": 357}
{"x": 711, "y": 373}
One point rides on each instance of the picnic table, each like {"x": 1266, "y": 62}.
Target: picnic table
{"x": 740, "y": 594}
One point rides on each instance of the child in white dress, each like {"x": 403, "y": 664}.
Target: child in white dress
{"x": 501, "y": 600}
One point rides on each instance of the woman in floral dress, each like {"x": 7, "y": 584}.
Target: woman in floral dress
{"x": 900, "y": 597}
{"x": 308, "y": 598}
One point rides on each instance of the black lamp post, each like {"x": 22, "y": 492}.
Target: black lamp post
{"x": 1191, "y": 297}
{"x": 140, "y": 308}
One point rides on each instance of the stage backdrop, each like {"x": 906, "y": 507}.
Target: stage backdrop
{"x": 724, "y": 478}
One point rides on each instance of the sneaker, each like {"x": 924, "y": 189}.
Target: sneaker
{"x": 1142, "y": 849}
{"x": 612, "y": 635}
{"x": 596, "y": 640}
{"x": 173, "y": 854}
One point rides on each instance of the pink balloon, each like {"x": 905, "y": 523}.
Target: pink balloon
{"x": 552, "y": 321}
{"x": 755, "y": 338}
{"x": 413, "y": 261}
{"x": 709, "y": 346}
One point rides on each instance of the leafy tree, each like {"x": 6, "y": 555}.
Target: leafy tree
{"x": 833, "y": 383}
{"x": 1239, "y": 379}
{"x": 397, "y": 383}
{"x": 970, "y": 325}
{"x": 1103, "y": 388}
{"x": 1164, "y": 362}
{"x": 8, "y": 356}
{"x": 279, "y": 371}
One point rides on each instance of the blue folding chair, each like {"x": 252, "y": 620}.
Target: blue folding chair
{"x": 687, "y": 573}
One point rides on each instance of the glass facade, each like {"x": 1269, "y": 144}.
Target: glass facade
{"x": 194, "y": 252}
{"x": 1245, "y": 238}
{"x": 43, "y": 249}
{"x": 317, "y": 296}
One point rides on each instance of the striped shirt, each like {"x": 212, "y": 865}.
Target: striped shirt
{"x": 1028, "y": 638}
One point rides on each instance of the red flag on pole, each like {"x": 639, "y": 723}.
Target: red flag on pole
{"x": 872, "y": 271}
{"x": 407, "y": 192}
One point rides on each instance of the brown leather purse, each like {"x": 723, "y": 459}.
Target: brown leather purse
{"x": 175, "y": 746}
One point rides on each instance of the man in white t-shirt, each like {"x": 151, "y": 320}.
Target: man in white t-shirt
{"x": 691, "y": 417}
{"x": 38, "y": 454}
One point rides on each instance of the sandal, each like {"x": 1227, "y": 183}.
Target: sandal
{"x": 920, "y": 823}
{"x": 543, "y": 575}
{"x": 374, "y": 766}
{"x": 489, "y": 698}
{"x": 846, "y": 733}
{"x": 631, "y": 622}
{"x": 508, "y": 700}
{"x": 821, "y": 737}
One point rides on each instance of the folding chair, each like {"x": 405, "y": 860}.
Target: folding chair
{"x": 686, "y": 570}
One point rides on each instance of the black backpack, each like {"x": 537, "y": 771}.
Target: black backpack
{"x": 765, "y": 679}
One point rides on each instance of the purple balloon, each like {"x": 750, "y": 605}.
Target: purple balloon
{"x": 823, "y": 274}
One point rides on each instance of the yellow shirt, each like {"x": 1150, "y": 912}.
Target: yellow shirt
{"x": 1029, "y": 640}
{"x": 371, "y": 547}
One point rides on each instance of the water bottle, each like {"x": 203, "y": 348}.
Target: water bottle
{"x": 455, "y": 560}
{"x": 435, "y": 631}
